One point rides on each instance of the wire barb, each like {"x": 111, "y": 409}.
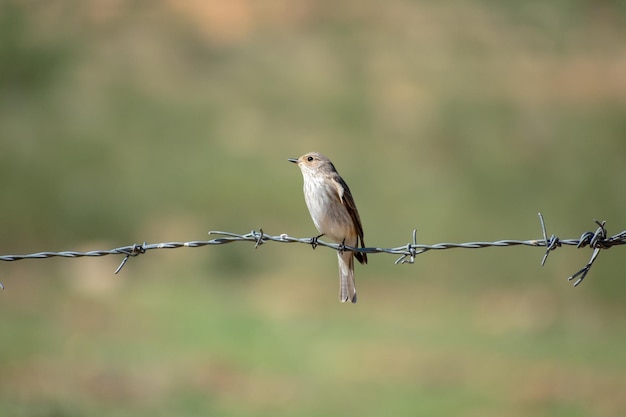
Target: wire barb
{"x": 412, "y": 251}
{"x": 597, "y": 241}
{"x": 135, "y": 250}
{"x": 550, "y": 244}
{"x": 408, "y": 252}
{"x": 259, "y": 240}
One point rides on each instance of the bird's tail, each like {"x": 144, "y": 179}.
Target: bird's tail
{"x": 347, "y": 290}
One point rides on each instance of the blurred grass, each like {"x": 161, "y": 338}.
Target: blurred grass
{"x": 129, "y": 121}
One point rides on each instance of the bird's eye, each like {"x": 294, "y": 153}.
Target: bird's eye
{"x": 310, "y": 158}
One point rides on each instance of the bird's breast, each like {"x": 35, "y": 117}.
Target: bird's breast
{"x": 328, "y": 212}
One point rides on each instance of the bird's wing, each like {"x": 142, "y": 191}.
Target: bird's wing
{"x": 346, "y": 198}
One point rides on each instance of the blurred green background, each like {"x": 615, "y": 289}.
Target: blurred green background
{"x": 131, "y": 121}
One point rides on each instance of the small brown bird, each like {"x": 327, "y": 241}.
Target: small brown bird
{"x": 334, "y": 213}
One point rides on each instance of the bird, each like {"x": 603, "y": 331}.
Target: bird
{"x": 334, "y": 214}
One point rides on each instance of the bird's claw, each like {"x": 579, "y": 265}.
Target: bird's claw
{"x": 314, "y": 240}
{"x": 342, "y": 247}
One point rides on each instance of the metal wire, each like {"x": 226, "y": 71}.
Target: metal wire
{"x": 597, "y": 240}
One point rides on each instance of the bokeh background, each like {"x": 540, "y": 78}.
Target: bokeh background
{"x": 130, "y": 121}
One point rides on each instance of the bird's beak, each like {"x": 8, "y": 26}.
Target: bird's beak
{"x": 294, "y": 160}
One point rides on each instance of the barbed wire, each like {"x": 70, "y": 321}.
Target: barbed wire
{"x": 597, "y": 240}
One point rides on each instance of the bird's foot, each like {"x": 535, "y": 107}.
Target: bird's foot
{"x": 314, "y": 240}
{"x": 342, "y": 247}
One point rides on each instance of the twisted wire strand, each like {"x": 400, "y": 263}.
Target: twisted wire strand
{"x": 598, "y": 241}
